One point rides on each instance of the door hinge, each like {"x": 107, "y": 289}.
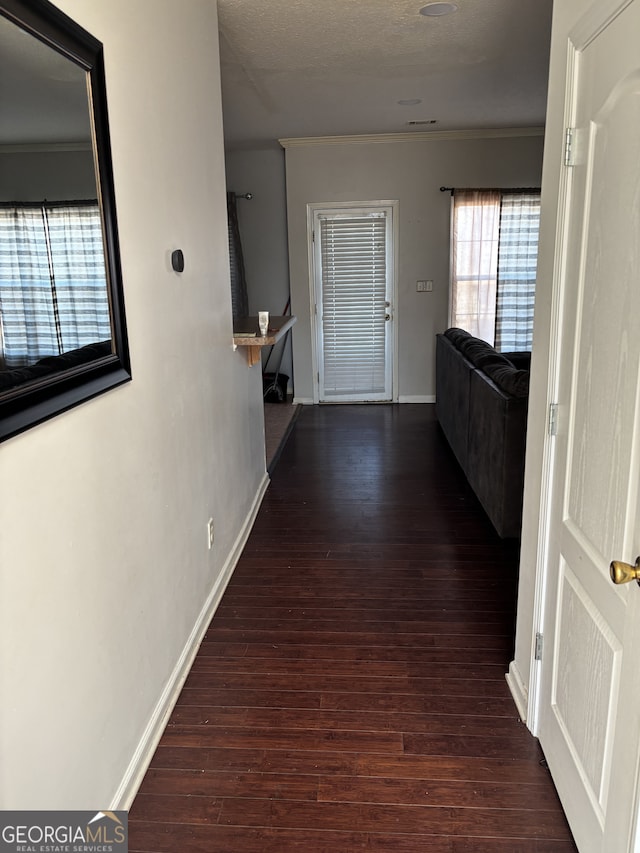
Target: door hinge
{"x": 569, "y": 149}
{"x": 539, "y": 644}
{"x": 313, "y": 236}
{"x": 553, "y": 419}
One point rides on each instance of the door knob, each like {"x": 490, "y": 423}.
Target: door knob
{"x": 625, "y": 572}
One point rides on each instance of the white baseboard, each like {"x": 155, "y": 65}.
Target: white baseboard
{"x": 518, "y": 689}
{"x": 154, "y": 730}
{"x": 403, "y": 398}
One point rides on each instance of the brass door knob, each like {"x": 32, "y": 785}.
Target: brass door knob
{"x": 625, "y": 572}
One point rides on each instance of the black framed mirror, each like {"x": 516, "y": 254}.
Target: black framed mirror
{"x": 63, "y": 332}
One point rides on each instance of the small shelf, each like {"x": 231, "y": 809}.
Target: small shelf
{"x": 246, "y": 333}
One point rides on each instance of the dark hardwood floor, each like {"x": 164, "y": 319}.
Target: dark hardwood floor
{"x": 350, "y": 693}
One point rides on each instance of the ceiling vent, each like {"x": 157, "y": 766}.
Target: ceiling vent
{"x": 422, "y": 122}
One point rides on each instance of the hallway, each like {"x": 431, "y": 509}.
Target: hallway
{"x": 350, "y": 692}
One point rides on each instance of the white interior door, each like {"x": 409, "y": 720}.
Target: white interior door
{"x": 353, "y": 303}
{"x": 590, "y": 688}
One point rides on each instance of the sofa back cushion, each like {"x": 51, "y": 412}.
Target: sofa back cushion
{"x": 456, "y": 335}
{"x": 509, "y": 371}
{"x": 521, "y": 360}
{"x": 481, "y": 354}
{"x": 510, "y": 380}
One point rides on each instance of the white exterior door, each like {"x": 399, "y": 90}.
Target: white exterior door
{"x": 590, "y": 685}
{"x": 352, "y": 296}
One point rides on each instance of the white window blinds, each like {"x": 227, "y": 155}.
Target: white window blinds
{"x": 353, "y": 259}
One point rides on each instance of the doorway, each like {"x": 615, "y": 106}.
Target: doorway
{"x": 352, "y": 251}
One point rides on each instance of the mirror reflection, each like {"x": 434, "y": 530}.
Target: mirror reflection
{"x": 53, "y": 285}
{"x": 63, "y": 336}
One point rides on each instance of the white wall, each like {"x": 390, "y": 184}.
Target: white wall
{"x": 263, "y": 229}
{"x": 411, "y": 172}
{"x": 104, "y": 566}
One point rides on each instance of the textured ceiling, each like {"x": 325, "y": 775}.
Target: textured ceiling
{"x": 295, "y": 68}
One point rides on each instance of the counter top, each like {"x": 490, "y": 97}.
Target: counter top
{"x": 246, "y": 333}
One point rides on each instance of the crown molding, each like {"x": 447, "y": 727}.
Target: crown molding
{"x": 428, "y": 136}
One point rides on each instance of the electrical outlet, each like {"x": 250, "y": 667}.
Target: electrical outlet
{"x": 210, "y": 533}
{"x": 421, "y": 286}
{"x": 429, "y": 286}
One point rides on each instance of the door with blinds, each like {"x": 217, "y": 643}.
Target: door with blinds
{"x": 353, "y": 303}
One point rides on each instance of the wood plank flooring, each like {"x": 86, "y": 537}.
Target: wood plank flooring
{"x": 350, "y": 694}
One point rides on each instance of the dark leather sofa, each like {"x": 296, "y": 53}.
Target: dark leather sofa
{"x": 481, "y": 405}
{"x": 14, "y": 377}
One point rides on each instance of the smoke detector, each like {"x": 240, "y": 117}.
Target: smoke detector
{"x": 437, "y": 10}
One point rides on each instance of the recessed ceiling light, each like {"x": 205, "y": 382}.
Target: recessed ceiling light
{"x": 437, "y": 10}
{"x": 410, "y": 102}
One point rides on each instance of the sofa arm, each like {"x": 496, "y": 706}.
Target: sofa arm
{"x": 497, "y": 440}
{"x": 453, "y": 373}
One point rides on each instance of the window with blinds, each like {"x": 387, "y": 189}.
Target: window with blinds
{"x": 493, "y": 276}
{"x": 352, "y": 252}
{"x": 53, "y": 286}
